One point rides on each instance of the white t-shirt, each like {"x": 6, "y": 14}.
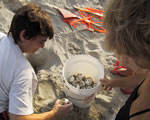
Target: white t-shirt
{"x": 17, "y": 79}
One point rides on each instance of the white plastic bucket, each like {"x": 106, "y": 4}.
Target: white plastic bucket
{"x": 88, "y": 66}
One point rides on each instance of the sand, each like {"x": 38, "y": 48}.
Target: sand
{"x": 67, "y": 42}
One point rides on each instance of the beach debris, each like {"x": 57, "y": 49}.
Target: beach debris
{"x": 91, "y": 10}
{"x": 81, "y": 82}
{"x": 90, "y": 17}
{"x": 64, "y": 101}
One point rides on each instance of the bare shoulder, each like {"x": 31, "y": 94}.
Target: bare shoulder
{"x": 142, "y": 102}
{"x": 144, "y": 116}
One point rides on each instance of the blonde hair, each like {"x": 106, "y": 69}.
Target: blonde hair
{"x": 127, "y": 23}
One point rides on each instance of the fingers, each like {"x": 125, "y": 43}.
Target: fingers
{"x": 62, "y": 109}
{"x": 107, "y": 88}
{"x": 68, "y": 107}
{"x": 106, "y": 84}
{"x": 58, "y": 101}
{"x": 103, "y": 80}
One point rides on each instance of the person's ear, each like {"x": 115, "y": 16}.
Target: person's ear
{"x": 21, "y": 36}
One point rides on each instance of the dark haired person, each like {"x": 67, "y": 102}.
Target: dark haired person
{"x": 127, "y": 23}
{"x": 29, "y": 30}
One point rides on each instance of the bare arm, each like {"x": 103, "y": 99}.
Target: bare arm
{"x": 142, "y": 102}
{"x": 43, "y": 116}
{"x": 129, "y": 82}
{"x": 57, "y": 111}
{"x": 125, "y": 82}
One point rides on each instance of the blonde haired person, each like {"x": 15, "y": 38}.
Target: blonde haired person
{"x": 127, "y": 23}
{"x": 30, "y": 28}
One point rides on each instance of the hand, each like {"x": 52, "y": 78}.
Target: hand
{"x": 106, "y": 84}
{"x": 62, "y": 110}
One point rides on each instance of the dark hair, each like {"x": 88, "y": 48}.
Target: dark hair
{"x": 33, "y": 20}
{"x": 127, "y": 23}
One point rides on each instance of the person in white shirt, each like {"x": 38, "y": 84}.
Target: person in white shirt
{"x": 30, "y": 28}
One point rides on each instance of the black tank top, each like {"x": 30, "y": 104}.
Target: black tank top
{"x": 124, "y": 114}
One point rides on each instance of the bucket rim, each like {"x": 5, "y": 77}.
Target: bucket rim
{"x": 82, "y": 90}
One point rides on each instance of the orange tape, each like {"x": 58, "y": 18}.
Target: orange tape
{"x": 88, "y": 19}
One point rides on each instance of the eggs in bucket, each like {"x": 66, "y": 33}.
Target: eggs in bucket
{"x": 81, "y": 82}
{"x": 81, "y": 74}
